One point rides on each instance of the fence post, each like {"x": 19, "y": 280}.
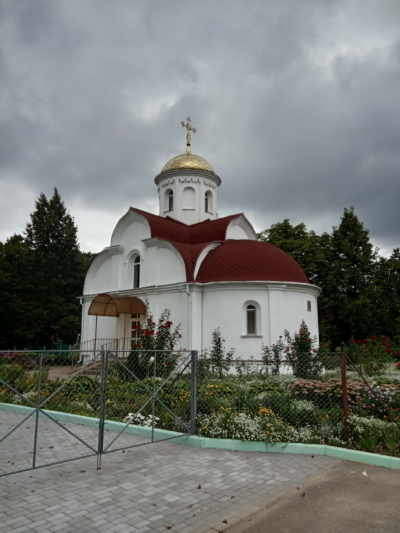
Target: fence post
{"x": 153, "y": 398}
{"x": 193, "y": 393}
{"x": 345, "y": 401}
{"x": 35, "y": 438}
{"x": 102, "y": 414}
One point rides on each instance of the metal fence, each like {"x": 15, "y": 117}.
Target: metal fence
{"x": 55, "y": 409}
{"x": 333, "y": 399}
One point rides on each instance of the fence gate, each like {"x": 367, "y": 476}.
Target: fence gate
{"x": 109, "y": 403}
{"x": 153, "y": 392}
{"x": 38, "y": 391}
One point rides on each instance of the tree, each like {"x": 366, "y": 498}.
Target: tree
{"x": 306, "y": 247}
{"x": 360, "y": 291}
{"x": 15, "y": 284}
{"x": 350, "y": 268}
{"x": 309, "y": 250}
{"x": 52, "y": 240}
{"x": 384, "y": 293}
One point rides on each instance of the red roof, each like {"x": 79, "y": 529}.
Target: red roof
{"x": 233, "y": 260}
{"x": 172, "y": 230}
{"x": 241, "y": 260}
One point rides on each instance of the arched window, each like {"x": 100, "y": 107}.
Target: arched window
{"x": 170, "y": 201}
{"x": 251, "y": 320}
{"x": 208, "y": 202}
{"x": 189, "y": 198}
{"x": 136, "y": 272}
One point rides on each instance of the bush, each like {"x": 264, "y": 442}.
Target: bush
{"x": 82, "y": 388}
{"x": 371, "y": 355}
{"x": 14, "y": 375}
{"x": 273, "y": 356}
{"x": 154, "y": 351}
{"x": 302, "y": 354}
{"x": 218, "y": 359}
{"x": 370, "y": 434}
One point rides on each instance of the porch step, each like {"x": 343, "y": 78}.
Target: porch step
{"x": 92, "y": 369}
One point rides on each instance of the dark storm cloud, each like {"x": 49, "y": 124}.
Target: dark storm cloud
{"x": 295, "y": 105}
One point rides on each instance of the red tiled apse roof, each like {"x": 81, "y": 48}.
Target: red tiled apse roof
{"x": 242, "y": 260}
{"x": 233, "y": 260}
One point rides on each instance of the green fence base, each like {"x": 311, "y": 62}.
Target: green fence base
{"x": 220, "y": 444}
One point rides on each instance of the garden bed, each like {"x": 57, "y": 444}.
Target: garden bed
{"x": 252, "y": 407}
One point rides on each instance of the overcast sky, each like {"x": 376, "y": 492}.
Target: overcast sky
{"x": 296, "y": 106}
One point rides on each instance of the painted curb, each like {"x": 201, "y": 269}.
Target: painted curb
{"x": 109, "y": 425}
{"x": 219, "y": 444}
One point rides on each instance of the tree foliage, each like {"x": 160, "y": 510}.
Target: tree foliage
{"x": 360, "y": 290}
{"x": 41, "y": 277}
{"x": 306, "y": 247}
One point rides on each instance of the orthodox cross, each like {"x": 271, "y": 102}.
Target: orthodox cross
{"x": 188, "y": 138}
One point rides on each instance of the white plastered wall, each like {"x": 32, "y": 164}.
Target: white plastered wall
{"x": 281, "y": 306}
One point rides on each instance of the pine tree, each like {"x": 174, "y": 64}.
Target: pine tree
{"x": 350, "y": 267}
{"x": 384, "y": 293}
{"x": 52, "y": 239}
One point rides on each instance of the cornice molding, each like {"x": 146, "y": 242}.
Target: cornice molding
{"x": 183, "y": 173}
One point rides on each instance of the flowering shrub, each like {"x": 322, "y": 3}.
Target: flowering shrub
{"x": 302, "y": 353}
{"x": 265, "y": 426}
{"x": 153, "y": 352}
{"x": 273, "y": 356}
{"x": 140, "y": 420}
{"x": 323, "y": 393}
{"x": 217, "y": 359}
{"x": 370, "y": 355}
{"x": 381, "y": 401}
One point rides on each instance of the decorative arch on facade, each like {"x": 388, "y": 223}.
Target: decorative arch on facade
{"x": 123, "y": 224}
{"x": 240, "y": 228}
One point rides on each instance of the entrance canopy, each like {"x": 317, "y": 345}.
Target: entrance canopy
{"x": 113, "y": 305}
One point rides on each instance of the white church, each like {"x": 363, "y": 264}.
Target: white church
{"x": 209, "y": 272}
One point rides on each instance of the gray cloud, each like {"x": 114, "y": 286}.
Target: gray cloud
{"x": 295, "y": 105}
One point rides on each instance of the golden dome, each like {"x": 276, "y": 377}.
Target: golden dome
{"x": 187, "y": 161}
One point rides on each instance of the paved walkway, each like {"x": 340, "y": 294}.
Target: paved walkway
{"x": 151, "y": 488}
{"x": 348, "y": 498}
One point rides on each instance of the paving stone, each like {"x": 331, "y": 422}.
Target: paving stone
{"x": 78, "y": 497}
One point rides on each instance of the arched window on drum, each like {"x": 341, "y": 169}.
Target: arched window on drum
{"x": 169, "y": 200}
{"x": 208, "y": 201}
